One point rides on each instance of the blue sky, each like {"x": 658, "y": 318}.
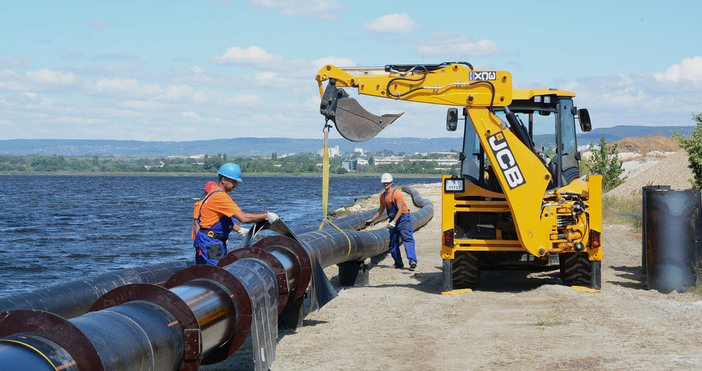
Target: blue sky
{"x": 190, "y": 70}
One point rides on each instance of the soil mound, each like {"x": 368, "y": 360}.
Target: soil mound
{"x": 644, "y": 145}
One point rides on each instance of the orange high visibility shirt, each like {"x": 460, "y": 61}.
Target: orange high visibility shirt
{"x": 196, "y": 211}
{"x": 217, "y": 205}
{"x": 397, "y": 197}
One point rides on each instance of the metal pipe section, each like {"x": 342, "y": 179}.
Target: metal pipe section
{"x": 670, "y": 238}
{"x": 202, "y": 314}
{"x": 644, "y": 235}
{"x": 72, "y": 299}
{"x": 332, "y": 246}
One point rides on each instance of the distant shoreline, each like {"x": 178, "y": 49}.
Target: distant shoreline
{"x": 352, "y": 175}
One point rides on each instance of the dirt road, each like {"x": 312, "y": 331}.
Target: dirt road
{"x": 514, "y": 321}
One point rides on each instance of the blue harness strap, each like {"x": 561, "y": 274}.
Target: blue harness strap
{"x": 199, "y": 211}
{"x": 385, "y": 202}
{"x": 392, "y": 201}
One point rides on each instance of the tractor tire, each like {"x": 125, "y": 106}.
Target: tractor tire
{"x": 465, "y": 270}
{"x": 577, "y": 270}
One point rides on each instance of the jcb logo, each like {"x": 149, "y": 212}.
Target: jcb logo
{"x": 506, "y": 160}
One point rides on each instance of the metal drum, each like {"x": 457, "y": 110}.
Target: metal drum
{"x": 671, "y": 217}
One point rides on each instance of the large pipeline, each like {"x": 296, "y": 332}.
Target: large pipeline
{"x": 72, "y": 299}
{"x": 202, "y": 314}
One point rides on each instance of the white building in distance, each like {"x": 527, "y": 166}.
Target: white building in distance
{"x": 333, "y": 151}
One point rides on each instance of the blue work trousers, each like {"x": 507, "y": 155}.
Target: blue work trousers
{"x": 403, "y": 231}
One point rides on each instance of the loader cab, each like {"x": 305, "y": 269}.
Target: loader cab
{"x": 547, "y": 117}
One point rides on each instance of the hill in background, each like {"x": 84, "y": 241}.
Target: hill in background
{"x": 266, "y": 146}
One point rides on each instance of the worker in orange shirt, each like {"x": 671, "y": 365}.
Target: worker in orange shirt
{"x": 216, "y": 216}
{"x": 400, "y": 224}
{"x": 209, "y": 187}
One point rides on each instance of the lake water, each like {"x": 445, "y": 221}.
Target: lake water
{"x": 59, "y": 228}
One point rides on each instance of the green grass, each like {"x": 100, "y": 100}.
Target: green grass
{"x": 554, "y": 317}
{"x": 617, "y": 210}
{"x": 696, "y": 289}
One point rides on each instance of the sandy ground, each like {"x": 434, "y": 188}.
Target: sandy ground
{"x": 513, "y": 321}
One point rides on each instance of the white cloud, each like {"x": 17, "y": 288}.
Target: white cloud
{"x": 183, "y": 93}
{"x": 11, "y": 81}
{"x": 636, "y": 99}
{"x": 149, "y": 95}
{"x": 252, "y": 55}
{"x": 15, "y": 62}
{"x": 49, "y": 77}
{"x": 319, "y": 9}
{"x": 456, "y": 46}
{"x": 690, "y": 69}
{"x": 391, "y": 23}
{"x": 111, "y": 86}
{"x": 246, "y": 100}
{"x": 192, "y": 116}
{"x": 335, "y": 61}
{"x": 140, "y": 105}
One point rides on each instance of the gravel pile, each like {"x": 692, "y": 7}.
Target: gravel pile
{"x": 672, "y": 170}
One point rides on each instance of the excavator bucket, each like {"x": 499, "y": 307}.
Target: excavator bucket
{"x": 352, "y": 121}
{"x": 358, "y": 125}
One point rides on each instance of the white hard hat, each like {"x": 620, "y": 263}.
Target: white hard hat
{"x": 386, "y": 178}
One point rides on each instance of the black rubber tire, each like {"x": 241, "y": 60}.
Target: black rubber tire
{"x": 465, "y": 270}
{"x": 576, "y": 269}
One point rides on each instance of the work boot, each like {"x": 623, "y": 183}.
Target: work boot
{"x": 413, "y": 265}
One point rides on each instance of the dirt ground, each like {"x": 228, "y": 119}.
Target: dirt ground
{"x": 513, "y": 321}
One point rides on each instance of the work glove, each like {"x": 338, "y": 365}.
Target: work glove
{"x": 243, "y": 232}
{"x": 391, "y": 225}
{"x": 369, "y": 221}
{"x": 271, "y": 217}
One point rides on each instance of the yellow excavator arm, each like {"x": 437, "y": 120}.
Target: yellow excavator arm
{"x": 455, "y": 84}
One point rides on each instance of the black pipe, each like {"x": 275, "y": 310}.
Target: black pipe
{"x": 670, "y": 238}
{"x": 202, "y": 314}
{"x": 332, "y": 246}
{"x": 72, "y": 299}
{"x": 644, "y": 234}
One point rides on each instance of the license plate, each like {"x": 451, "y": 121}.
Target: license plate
{"x": 454, "y": 185}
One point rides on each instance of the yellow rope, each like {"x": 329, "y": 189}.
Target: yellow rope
{"x": 325, "y": 220}
{"x": 325, "y": 186}
{"x": 325, "y": 173}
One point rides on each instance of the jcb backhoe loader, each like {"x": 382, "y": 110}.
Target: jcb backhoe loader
{"x": 515, "y": 202}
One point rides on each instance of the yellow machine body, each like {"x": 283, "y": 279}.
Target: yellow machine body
{"x": 511, "y": 202}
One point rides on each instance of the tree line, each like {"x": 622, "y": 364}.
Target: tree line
{"x": 298, "y": 164}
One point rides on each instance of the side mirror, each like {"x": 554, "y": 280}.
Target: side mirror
{"x": 584, "y": 118}
{"x": 452, "y": 119}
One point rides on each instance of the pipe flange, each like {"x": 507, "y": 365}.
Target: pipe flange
{"x": 58, "y": 330}
{"x": 270, "y": 260}
{"x": 241, "y": 305}
{"x": 300, "y": 252}
{"x": 167, "y": 300}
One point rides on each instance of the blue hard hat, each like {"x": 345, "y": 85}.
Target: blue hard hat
{"x": 231, "y": 170}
